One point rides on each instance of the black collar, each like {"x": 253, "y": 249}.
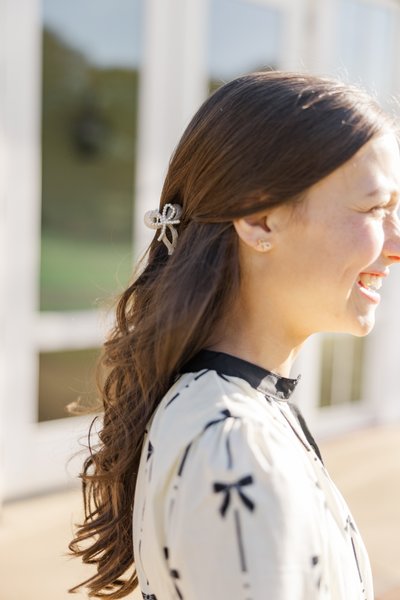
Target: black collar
{"x": 270, "y": 384}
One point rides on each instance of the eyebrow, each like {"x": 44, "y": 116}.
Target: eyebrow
{"x": 383, "y": 191}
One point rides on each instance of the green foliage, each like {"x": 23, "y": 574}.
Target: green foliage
{"x": 88, "y": 145}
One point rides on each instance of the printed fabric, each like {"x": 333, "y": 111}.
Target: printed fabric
{"x": 233, "y": 500}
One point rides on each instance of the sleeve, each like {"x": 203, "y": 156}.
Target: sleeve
{"x": 238, "y": 519}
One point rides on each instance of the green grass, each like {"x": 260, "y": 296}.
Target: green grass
{"x": 78, "y": 274}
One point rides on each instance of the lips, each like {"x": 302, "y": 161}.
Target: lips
{"x": 369, "y": 283}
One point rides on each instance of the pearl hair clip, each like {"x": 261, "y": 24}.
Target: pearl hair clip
{"x": 169, "y": 217}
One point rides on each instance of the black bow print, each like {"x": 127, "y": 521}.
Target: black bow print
{"x": 226, "y": 488}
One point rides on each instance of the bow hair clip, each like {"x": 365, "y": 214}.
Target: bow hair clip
{"x": 165, "y": 220}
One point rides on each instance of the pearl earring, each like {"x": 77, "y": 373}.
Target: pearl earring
{"x": 263, "y": 245}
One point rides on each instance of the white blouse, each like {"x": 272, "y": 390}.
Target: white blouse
{"x": 232, "y": 498}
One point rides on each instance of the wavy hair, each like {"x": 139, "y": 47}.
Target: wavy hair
{"x": 260, "y": 140}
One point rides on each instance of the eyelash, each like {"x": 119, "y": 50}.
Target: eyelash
{"x": 375, "y": 209}
{"x": 383, "y": 209}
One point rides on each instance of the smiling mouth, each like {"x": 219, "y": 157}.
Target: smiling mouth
{"x": 369, "y": 284}
{"x": 370, "y": 281}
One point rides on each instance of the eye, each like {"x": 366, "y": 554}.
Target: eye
{"x": 387, "y": 209}
{"x": 378, "y": 210}
{"x": 387, "y": 204}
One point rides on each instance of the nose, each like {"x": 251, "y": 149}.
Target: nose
{"x": 391, "y": 249}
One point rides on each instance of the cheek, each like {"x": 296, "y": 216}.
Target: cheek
{"x": 358, "y": 244}
{"x": 348, "y": 247}
{"x": 368, "y": 241}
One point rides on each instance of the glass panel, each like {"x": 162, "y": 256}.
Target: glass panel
{"x": 63, "y": 377}
{"x": 91, "y": 56}
{"x": 366, "y": 44}
{"x": 243, "y": 36}
{"x": 341, "y": 370}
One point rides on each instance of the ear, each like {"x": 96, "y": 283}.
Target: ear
{"x": 255, "y": 231}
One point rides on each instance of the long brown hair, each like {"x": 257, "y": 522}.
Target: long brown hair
{"x": 260, "y": 140}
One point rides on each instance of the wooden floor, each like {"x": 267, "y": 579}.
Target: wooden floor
{"x": 365, "y": 466}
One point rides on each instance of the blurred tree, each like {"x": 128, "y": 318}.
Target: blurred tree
{"x": 88, "y": 145}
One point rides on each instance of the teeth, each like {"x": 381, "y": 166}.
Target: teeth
{"x": 372, "y": 282}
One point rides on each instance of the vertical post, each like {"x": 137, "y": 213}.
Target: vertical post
{"x": 308, "y": 391}
{"x": 2, "y": 246}
{"x": 20, "y": 114}
{"x": 382, "y": 358}
{"x": 293, "y": 36}
{"x": 293, "y": 43}
{"x": 172, "y": 84}
{"x": 320, "y": 36}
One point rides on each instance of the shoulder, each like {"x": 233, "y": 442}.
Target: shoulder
{"x": 197, "y": 400}
{"x": 218, "y": 418}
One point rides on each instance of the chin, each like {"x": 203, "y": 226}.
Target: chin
{"x": 364, "y": 326}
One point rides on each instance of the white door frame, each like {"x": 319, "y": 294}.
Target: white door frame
{"x": 20, "y": 112}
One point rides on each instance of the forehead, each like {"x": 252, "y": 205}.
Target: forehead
{"x": 374, "y": 169}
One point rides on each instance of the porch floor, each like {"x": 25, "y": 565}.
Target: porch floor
{"x": 364, "y": 464}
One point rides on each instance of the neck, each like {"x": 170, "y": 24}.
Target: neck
{"x": 257, "y": 339}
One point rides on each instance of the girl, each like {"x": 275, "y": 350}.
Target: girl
{"x": 277, "y": 220}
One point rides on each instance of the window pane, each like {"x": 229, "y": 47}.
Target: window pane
{"x": 243, "y": 36}
{"x": 63, "y": 377}
{"x": 91, "y": 56}
{"x": 341, "y": 369}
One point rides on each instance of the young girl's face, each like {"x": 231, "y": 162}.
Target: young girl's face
{"x": 334, "y": 254}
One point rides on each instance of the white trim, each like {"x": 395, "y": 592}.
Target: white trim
{"x": 307, "y": 393}
{"x": 52, "y": 460}
{"x": 392, "y": 4}
{"x": 21, "y": 114}
{"x": 396, "y": 71}
{"x": 3, "y": 245}
{"x": 70, "y": 331}
{"x": 334, "y": 420}
{"x": 294, "y": 42}
{"x": 382, "y": 356}
{"x": 321, "y": 36}
{"x": 172, "y": 85}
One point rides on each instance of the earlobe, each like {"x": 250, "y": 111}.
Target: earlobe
{"x": 254, "y": 232}
{"x": 263, "y": 245}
